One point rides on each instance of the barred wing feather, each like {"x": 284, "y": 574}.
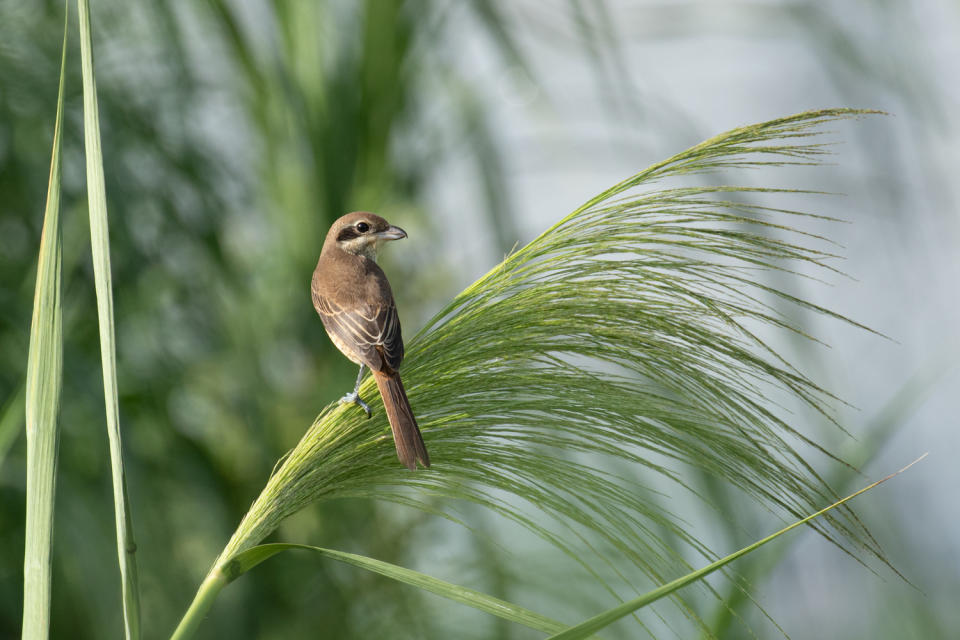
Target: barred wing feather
{"x": 369, "y": 335}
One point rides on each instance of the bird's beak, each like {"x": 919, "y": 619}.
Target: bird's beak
{"x": 392, "y": 233}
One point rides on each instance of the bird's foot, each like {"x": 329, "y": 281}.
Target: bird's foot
{"x": 354, "y": 398}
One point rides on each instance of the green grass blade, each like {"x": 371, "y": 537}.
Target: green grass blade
{"x": 100, "y": 246}
{"x": 250, "y": 558}
{"x": 42, "y": 400}
{"x": 469, "y": 597}
{"x": 589, "y": 627}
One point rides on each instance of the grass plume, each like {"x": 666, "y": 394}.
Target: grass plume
{"x": 623, "y": 331}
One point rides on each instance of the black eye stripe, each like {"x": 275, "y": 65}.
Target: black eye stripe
{"x": 347, "y": 233}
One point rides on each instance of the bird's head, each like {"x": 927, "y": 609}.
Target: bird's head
{"x": 361, "y": 233}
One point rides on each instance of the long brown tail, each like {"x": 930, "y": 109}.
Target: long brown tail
{"x": 406, "y": 433}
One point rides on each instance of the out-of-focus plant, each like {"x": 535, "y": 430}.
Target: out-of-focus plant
{"x": 224, "y": 161}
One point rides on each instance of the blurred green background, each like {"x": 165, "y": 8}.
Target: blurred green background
{"x": 235, "y": 132}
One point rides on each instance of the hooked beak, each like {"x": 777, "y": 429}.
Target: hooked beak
{"x": 392, "y": 233}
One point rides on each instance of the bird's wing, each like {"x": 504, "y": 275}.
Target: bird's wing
{"x": 371, "y": 333}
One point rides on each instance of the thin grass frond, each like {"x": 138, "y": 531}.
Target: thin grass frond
{"x": 42, "y": 397}
{"x": 626, "y": 332}
{"x": 600, "y": 621}
{"x": 100, "y": 247}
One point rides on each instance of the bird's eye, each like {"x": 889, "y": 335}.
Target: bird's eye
{"x": 363, "y": 227}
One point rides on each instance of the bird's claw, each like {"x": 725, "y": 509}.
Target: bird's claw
{"x": 354, "y": 398}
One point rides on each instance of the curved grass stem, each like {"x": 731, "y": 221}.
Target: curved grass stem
{"x": 211, "y": 587}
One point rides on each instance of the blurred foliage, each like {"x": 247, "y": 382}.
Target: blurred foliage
{"x": 233, "y": 133}
{"x": 209, "y": 282}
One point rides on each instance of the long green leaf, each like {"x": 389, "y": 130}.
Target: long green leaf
{"x": 469, "y": 597}
{"x": 43, "y": 387}
{"x": 100, "y": 245}
{"x": 250, "y": 558}
{"x": 589, "y": 627}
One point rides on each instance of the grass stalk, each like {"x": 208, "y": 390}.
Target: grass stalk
{"x": 100, "y": 246}
{"x": 211, "y": 587}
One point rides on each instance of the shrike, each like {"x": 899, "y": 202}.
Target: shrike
{"x": 354, "y": 300}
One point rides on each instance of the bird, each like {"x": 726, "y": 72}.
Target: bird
{"x": 354, "y": 300}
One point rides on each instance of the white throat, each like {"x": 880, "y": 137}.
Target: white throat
{"x": 363, "y": 246}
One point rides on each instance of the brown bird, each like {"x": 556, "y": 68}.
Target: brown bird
{"x": 354, "y": 300}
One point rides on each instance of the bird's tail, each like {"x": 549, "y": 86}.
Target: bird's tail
{"x": 406, "y": 433}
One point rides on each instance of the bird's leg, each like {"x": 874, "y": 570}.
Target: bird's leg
{"x": 354, "y": 396}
